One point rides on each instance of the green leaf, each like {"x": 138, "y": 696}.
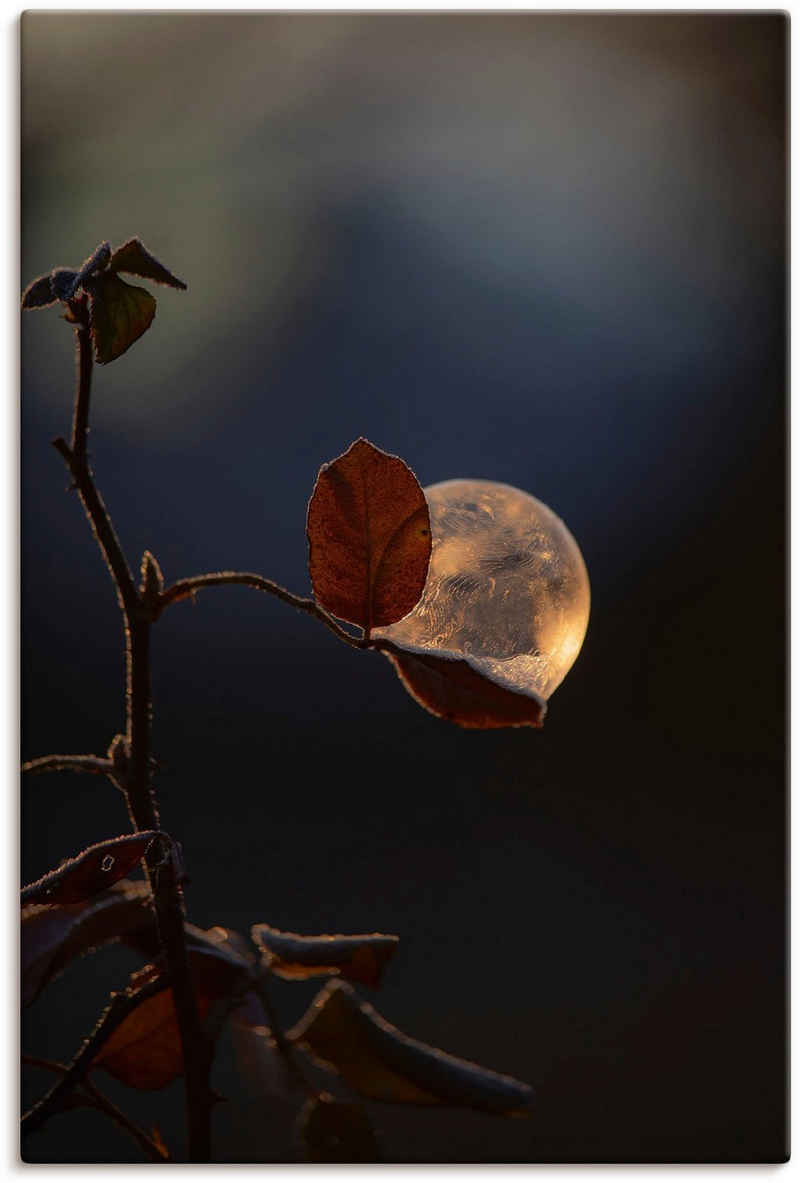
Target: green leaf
{"x": 382, "y": 1063}
{"x": 135, "y": 259}
{"x": 119, "y": 314}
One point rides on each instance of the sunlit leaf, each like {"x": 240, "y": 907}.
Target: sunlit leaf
{"x": 457, "y": 688}
{"x": 369, "y": 537}
{"x": 134, "y": 259}
{"x": 359, "y": 958}
{"x": 90, "y": 872}
{"x": 119, "y": 314}
{"x": 39, "y": 294}
{"x": 337, "y": 1131}
{"x": 53, "y": 935}
{"x": 144, "y": 1052}
{"x": 382, "y": 1063}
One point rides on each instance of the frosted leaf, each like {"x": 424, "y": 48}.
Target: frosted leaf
{"x": 507, "y": 586}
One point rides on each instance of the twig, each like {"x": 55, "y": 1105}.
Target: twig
{"x": 142, "y": 807}
{"x": 285, "y": 1048}
{"x": 98, "y": 765}
{"x": 121, "y": 1005}
{"x": 187, "y": 587}
{"x": 100, "y": 1101}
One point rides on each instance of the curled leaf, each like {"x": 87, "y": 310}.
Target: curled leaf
{"x": 64, "y": 283}
{"x": 359, "y": 958}
{"x": 369, "y": 537}
{"x": 457, "y": 687}
{"x": 134, "y": 258}
{"x": 382, "y": 1063}
{"x": 337, "y": 1131}
{"x": 53, "y": 935}
{"x": 90, "y": 872}
{"x": 119, "y": 314}
{"x": 97, "y": 261}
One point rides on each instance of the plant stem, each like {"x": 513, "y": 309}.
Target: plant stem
{"x": 185, "y": 588}
{"x": 94, "y": 764}
{"x": 100, "y": 1101}
{"x": 142, "y": 806}
{"x": 116, "y": 1012}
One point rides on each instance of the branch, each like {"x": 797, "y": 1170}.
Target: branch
{"x": 98, "y": 765}
{"x": 187, "y": 587}
{"x": 285, "y": 1048}
{"x": 142, "y": 807}
{"x": 121, "y": 1005}
{"x": 98, "y": 1100}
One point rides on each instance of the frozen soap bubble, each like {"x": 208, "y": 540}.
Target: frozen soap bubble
{"x": 507, "y": 587}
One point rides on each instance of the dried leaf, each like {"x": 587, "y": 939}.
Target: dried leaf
{"x": 369, "y": 537}
{"x": 145, "y": 1050}
{"x": 337, "y": 1131}
{"x": 56, "y": 934}
{"x": 134, "y": 259}
{"x": 39, "y": 294}
{"x": 359, "y": 958}
{"x": 382, "y": 1063}
{"x": 455, "y": 687}
{"x": 90, "y": 872}
{"x": 119, "y": 314}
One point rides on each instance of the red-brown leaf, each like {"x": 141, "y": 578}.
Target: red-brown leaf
{"x": 369, "y": 537}
{"x": 144, "y": 1052}
{"x": 359, "y": 958}
{"x": 90, "y": 872}
{"x": 455, "y": 688}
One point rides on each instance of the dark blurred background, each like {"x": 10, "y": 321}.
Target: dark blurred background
{"x": 548, "y": 250}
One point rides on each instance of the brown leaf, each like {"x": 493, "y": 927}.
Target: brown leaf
{"x": 134, "y": 258}
{"x": 382, "y": 1063}
{"x": 54, "y": 935}
{"x": 359, "y": 958}
{"x": 337, "y": 1131}
{"x": 144, "y": 1052}
{"x": 90, "y": 872}
{"x": 119, "y": 314}
{"x": 369, "y": 537}
{"x": 456, "y": 688}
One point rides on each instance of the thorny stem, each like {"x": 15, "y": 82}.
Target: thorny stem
{"x": 142, "y": 807}
{"x": 121, "y": 1005}
{"x": 100, "y": 1101}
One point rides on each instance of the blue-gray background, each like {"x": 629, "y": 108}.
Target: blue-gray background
{"x": 544, "y": 249}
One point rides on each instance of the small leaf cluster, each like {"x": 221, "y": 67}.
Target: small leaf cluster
{"x": 119, "y": 312}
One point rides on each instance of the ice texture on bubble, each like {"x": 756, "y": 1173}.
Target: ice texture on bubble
{"x": 507, "y": 586}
